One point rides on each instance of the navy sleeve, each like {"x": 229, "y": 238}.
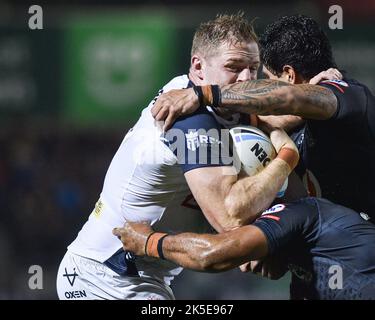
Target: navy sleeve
{"x": 351, "y": 100}
{"x": 287, "y": 224}
{"x": 199, "y": 141}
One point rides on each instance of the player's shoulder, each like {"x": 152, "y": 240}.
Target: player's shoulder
{"x": 200, "y": 119}
{"x": 353, "y": 100}
{"x": 307, "y": 205}
{"x": 202, "y": 114}
{"x": 305, "y": 211}
{"x": 337, "y": 214}
{"x": 344, "y": 85}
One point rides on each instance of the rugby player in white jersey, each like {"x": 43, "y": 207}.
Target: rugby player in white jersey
{"x": 149, "y": 180}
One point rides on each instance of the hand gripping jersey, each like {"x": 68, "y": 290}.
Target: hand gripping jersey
{"x": 145, "y": 182}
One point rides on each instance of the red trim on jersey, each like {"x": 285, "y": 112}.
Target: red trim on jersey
{"x": 270, "y": 216}
{"x": 335, "y": 85}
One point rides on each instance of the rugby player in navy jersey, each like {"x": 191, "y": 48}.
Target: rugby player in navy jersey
{"x": 330, "y": 248}
{"x": 337, "y": 154}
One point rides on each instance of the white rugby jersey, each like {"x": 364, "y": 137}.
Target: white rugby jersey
{"x": 144, "y": 182}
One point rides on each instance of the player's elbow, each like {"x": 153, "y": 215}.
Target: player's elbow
{"x": 238, "y": 213}
{"x": 209, "y": 262}
{"x": 205, "y": 262}
{"x": 207, "y": 254}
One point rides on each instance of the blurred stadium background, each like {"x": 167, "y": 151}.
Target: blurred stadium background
{"x": 70, "y": 92}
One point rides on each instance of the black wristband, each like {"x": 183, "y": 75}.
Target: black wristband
{"x": 160, "y": 247}
{"x": 148, "y": 238}
{"x": 198, "y": 91}
{"x": 216, "y": 96}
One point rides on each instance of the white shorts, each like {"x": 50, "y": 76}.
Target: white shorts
{"x": 80, "y": 278}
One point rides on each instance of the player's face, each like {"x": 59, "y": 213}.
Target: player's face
{"x": 232, "y": 63}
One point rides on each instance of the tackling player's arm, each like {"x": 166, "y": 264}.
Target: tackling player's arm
{"x": 201, "y": 252}
{"x": 272, "y": 97}
{"x": 261, "y": 97}
{"x": 270, "y": 235}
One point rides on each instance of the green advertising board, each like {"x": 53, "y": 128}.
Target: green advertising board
{"x": 29, "y": 72}
{"x": 114, "y": 64}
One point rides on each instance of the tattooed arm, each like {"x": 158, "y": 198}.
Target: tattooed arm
{"x": 272, "y": 97}
{"x": 261, "y": 97}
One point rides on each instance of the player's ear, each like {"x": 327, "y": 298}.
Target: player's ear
{"x": 291, "y": 76}
{"x": 196, "y": 66}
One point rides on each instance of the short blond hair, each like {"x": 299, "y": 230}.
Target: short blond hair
{"x": 223, "y": 29}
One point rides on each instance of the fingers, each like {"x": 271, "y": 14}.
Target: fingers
{"x": 172, "y": 116}
{"x": 246, "y": 267}
{"x": 162, "y": 114}
{"x": 156, "y": 108}
{"x": 165, "y": 112}
{"x": 256, "y": 266}
{"x": 173, "y": 104}
{"x": 266, "y": 272}
{"x": 336, "y": 73}
{"x": 330, "y": 74}
{"x": 265, "y": 126}
{"x": 161, "y": 107}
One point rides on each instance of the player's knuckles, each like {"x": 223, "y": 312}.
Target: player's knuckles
{"x": 161, "y": 103}
{"x": 169, "y": 101}
{"x": 164, "y": 111}
{"x": 159, "y": 115}
{"x": 173, "y": 109}
{"x": 158, "y": 104}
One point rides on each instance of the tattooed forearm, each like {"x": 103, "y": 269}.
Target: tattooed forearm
{"x": 242, "y": 90}
{"x": 270, "y": 97}
{"x": 254, "y": 96}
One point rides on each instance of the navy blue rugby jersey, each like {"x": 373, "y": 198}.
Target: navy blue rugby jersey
{"x": 201, "y": 139}
{"x": 339, "y": 153}
{"x": 330, "y": 249}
